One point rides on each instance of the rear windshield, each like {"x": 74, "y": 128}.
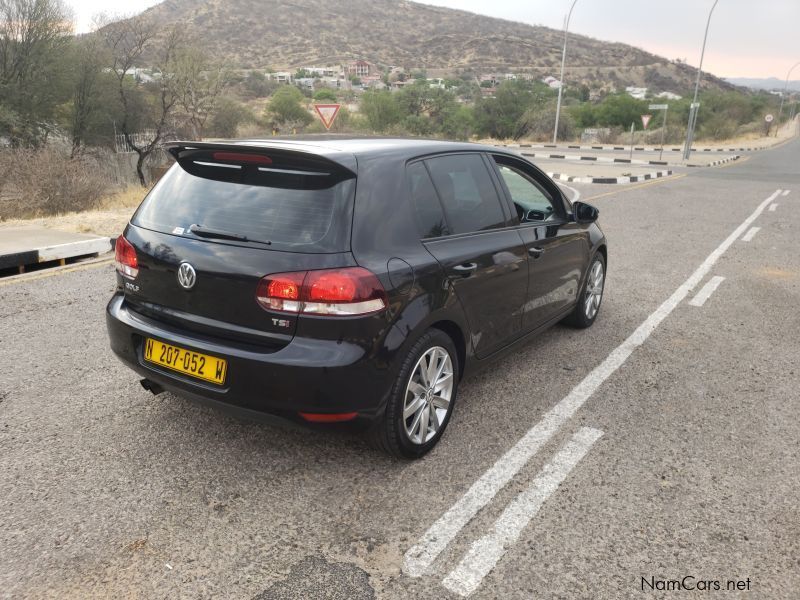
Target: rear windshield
{"x": 300, "y": 218}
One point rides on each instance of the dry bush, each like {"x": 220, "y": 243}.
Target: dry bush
{"x": 47, "y": 182}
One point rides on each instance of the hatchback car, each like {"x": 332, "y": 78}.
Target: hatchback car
{"x": 347, "y": 280}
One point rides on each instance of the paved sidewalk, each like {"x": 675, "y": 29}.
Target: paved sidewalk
{"x": 28, "y": 245}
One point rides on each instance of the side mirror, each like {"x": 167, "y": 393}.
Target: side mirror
{"x": 584, "y": 213}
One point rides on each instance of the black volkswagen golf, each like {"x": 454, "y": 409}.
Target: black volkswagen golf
{"x": 340, "y": 280}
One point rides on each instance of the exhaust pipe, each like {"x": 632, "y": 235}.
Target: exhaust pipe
{"x": 151, "y": 387}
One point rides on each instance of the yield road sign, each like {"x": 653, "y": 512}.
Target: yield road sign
{"x": 646, "y": 120}
{"x": 327, "y": 113}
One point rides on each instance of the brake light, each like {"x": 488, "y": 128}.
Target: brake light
{"x": 125, "y": 258}
{"x": 333, "y": 292}
{"x": 241, "y": 157}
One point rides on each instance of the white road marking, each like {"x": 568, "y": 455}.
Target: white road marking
{"x": 772, "y": 207}
{"x": 420, "y": 557}
{"x": 486, "y": 552}
{"x": 706, "y": 291}
{"x": 750, "y": 234}
{"x": 786, "y": 192}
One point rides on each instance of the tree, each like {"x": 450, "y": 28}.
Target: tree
{"x": 197, "y": 83}
{"x": 228, "y": 116}
{"x": 325, "y": 95}
{"x": 285, "y": 106}
{"x": 380, "y": 110}
{"x": 500, "y": 117}
{"x": 33, "y": 37}
{"x": 90, "y": 57}
{"x": 256, "y": 84}
{"x": 127, "y": 42}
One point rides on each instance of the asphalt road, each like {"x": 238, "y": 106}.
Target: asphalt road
{"x": 660, "y": 444}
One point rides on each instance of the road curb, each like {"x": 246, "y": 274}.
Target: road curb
{"x": 637, "y": 148}
{"x": 717, "y": 162}
{"x": 610, "y": 180}
{"x": 599, "y": 159}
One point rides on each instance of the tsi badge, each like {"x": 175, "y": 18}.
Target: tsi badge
{"x": 187, "y": 276}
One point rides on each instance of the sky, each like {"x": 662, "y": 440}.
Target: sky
{"x": 746, "y": 38}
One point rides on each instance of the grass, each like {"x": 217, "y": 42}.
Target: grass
{"x": 108, "y": 220}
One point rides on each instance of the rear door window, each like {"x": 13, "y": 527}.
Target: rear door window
{"x": 273, "y": 210}
{"x": 467, "y": 193}
{"x": 427, "y": 209}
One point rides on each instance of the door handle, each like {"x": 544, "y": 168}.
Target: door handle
{"x": 466, "y": 269}
{"x": 535, "y": 251}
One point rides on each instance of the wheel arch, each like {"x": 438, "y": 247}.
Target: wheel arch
{"x": 453, "y": 331}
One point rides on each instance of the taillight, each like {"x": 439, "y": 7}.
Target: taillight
{"x": 125, "y": 257}
{"x": 281, "y": 292}
{"x": 333, "y": 292}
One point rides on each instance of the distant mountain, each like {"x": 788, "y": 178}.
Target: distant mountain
{"x": 769, "y": 83}
{"x": 294, "y": 33}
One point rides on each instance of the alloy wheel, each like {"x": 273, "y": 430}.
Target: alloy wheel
{"x": 594, "y": 290}
{"x": 428, "y": 395}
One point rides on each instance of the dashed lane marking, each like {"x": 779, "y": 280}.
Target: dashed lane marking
{"x": 750, "y": 234}
{"x": 706, "y": 291}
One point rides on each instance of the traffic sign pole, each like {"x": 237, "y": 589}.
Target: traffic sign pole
{"x": 663, "y": 132}
{"x": 632, "y": 126}
{"x": 665, "y": 108}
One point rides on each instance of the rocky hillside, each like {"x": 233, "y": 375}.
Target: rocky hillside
{"x": 294, "y": 33}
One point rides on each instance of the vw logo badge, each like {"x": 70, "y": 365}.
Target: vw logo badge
{"x": 187, "y": 276}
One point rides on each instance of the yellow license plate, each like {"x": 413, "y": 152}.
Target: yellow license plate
{"x": 194, "y": 364}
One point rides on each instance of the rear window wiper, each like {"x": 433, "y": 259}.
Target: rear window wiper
{"x": 221, "y": 234}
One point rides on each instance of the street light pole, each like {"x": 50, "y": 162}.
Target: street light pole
{"x": 561, "y": 79}
{"x": 783, "y": 96}
{"x": 693, "y": 109}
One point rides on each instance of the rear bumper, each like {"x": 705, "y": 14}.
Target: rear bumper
{"x": 307, "y": 375}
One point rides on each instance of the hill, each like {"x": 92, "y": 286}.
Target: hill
{"x": 770, "y": 83}
{"x": 295, "y": 33}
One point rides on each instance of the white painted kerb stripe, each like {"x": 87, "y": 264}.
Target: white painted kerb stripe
{"x": 750, "y": 234}
{"x": 786, "y": 192}
{"x": 706, "y": 291}
{"x": 420, "y": 557}
{"x": 486, "y": 552}
{"x": 772, "y": 207}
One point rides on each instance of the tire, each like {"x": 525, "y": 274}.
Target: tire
{"x": 398, "y": 436}
{"x": 585, "y": 313}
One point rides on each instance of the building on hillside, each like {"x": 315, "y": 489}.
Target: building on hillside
{"x": 360, "y": 68}
{"x": 281, "y": 77}
{"x": 333, "y": 82}
{"x": 436, "y": 83}
{"x": 552, "y": 82}
{"x": 305, "y": 82}
{"x": 321, "y": 72}
{"x": 668, "y": 96}
{"x": 373, "y": 82}
{"x": 640, "y": 93}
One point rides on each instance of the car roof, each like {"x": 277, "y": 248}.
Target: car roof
{"x": 364, "y": 146}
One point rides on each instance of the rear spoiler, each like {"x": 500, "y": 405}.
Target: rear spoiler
{"x": 273, "y": 166}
